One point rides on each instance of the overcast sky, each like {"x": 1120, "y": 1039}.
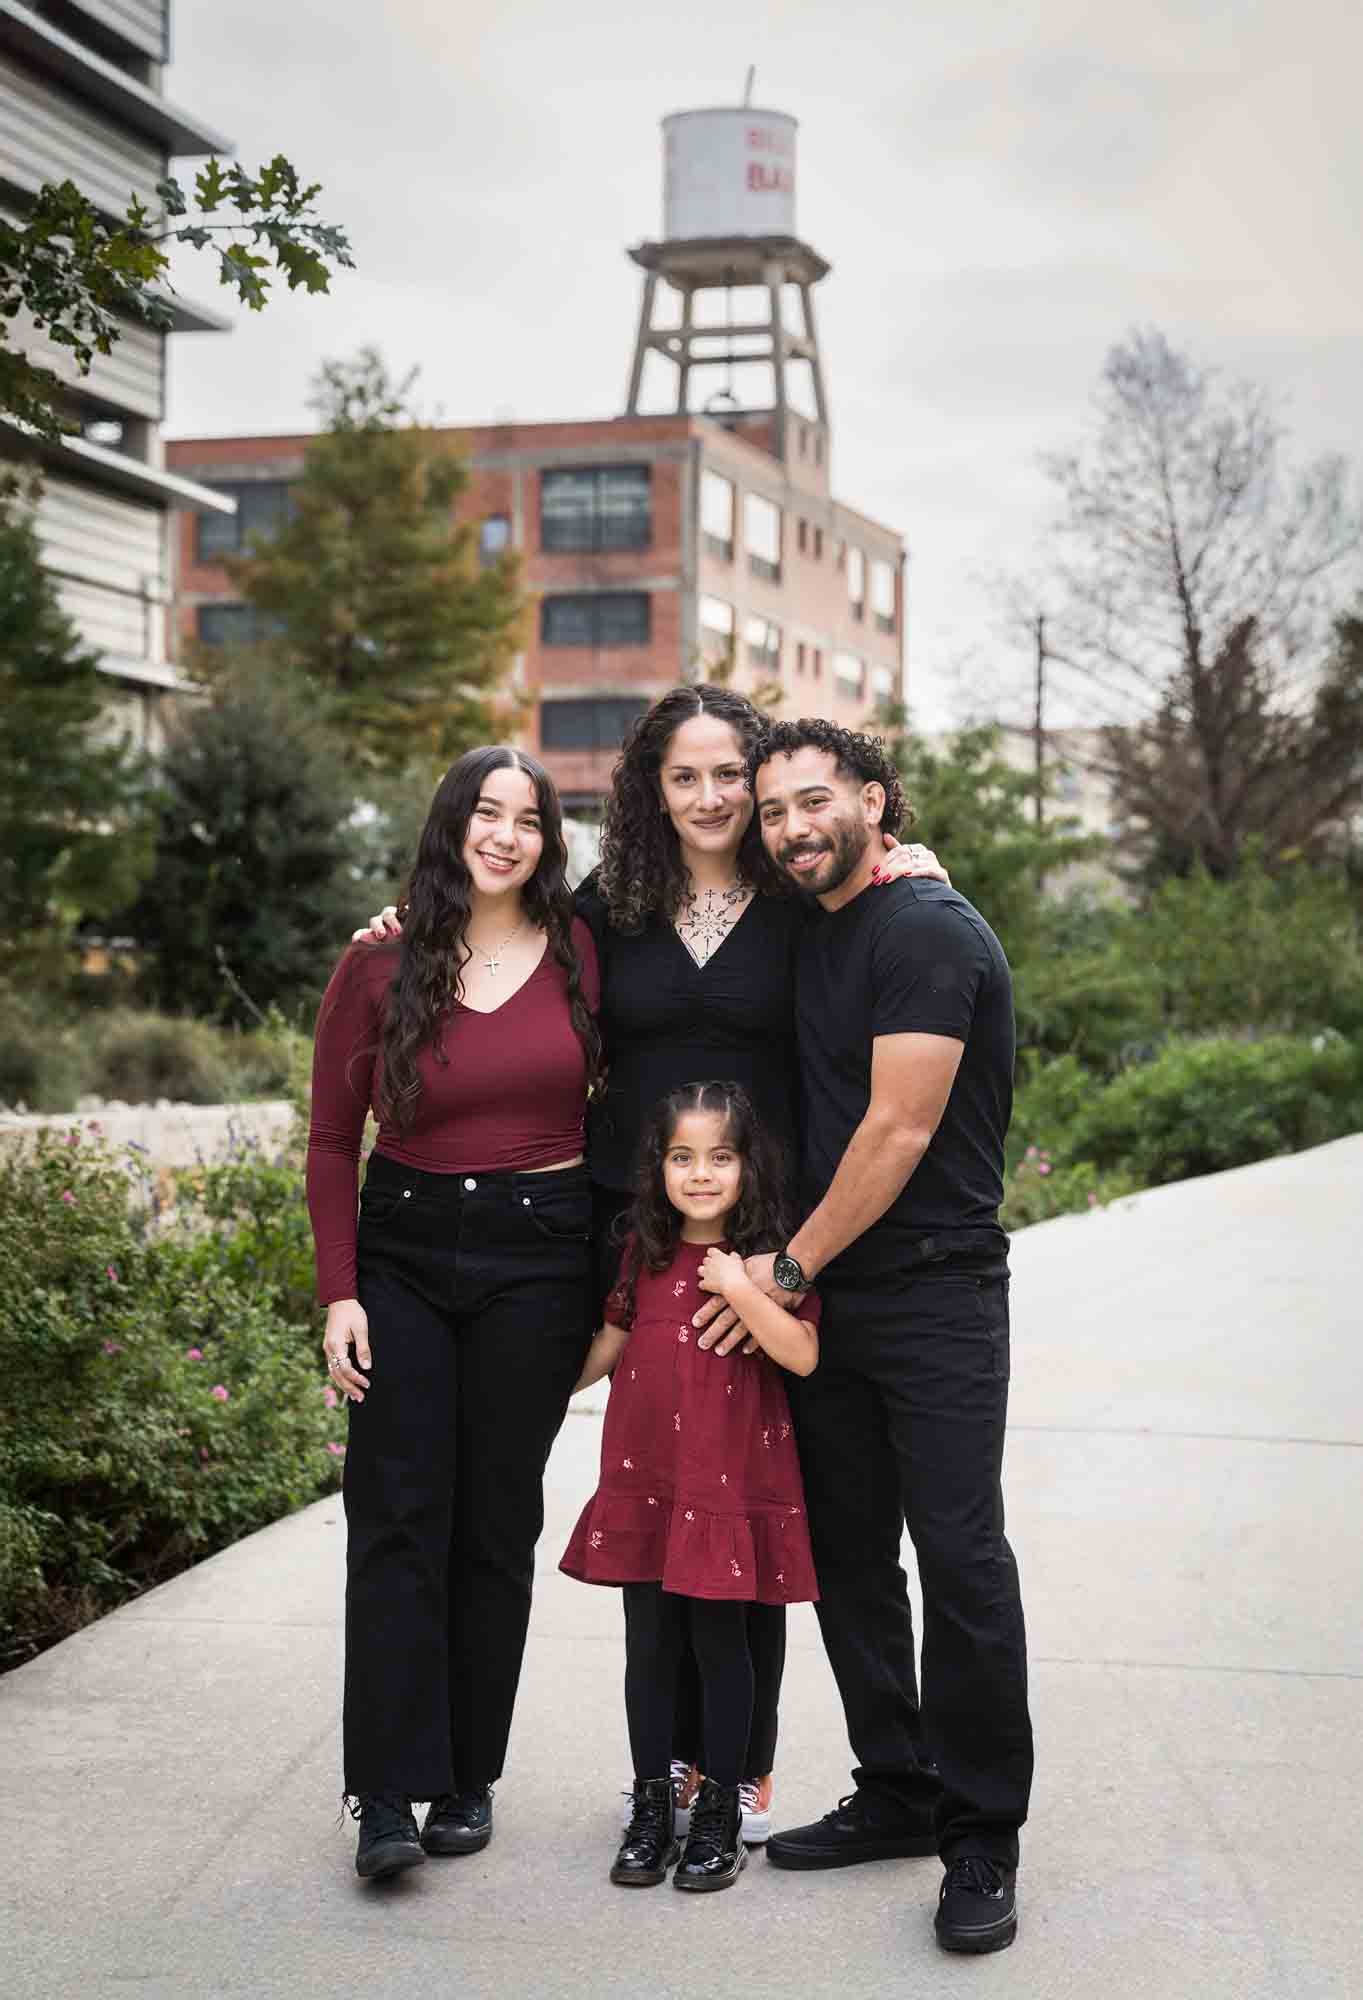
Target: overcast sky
{"x": 1003, "y": 188}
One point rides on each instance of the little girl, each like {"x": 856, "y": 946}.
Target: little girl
{"x": 700, "y": 1510}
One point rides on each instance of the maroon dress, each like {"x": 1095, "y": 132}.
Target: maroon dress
{"x": 700, "y": 1484}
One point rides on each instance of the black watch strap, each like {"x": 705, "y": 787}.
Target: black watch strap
{"x": 788, "y": 1274}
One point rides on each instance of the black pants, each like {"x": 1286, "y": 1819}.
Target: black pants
{"x": 903, "y": 1420}
{"x": 766, "y": 1622}
{"x": 478, "y": 1294}
{"x": 660, "y": 1630}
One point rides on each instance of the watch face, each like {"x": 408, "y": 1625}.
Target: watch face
{"x": 788, "y": 1274}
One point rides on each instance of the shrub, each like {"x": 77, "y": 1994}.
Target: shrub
{"x": 1201, "y": 1106}
{"x": 1039, "y": 1187}
{"x": 153, "y": 1406}
{"x": 142, "y": 1057}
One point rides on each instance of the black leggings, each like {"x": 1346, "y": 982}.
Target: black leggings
{"x": 659, "y": 1630}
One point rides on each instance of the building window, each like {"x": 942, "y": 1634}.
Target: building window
{"x": 604, "y": 507}
{"x": 717, "y": 515}
{"x": 882, "y": 595}
{"x": 604, "y": 618}
{"x": 799, "y": 656}
{"x": 762, "y": 536}
{"x": 264, "y": 506}
{"x": 590, "y": 724}
{"x": 883, "y": 690}
{"x": 818, "y": 447}
{"x": 856, "y": 582}
{"x": 233, "y": 625}
{"x": 818, "y": 663}
{"x": 802, "y": 536}
{"x": 494, "y": 539}
{"x": 818, "y": 545}
{"x": 716, "y": 631}
{"x": 763, "y": 645}
{"x": 850, "y": 674}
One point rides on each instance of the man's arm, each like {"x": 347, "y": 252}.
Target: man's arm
{"x": 911, "y": 1079}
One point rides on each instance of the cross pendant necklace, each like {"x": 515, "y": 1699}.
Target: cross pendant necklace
{"x": 493, "y": 960}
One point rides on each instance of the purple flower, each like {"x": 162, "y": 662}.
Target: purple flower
{"x": 218, "y": 1393}
{"x": 68, "y": 1198}
{"x": 194, "y": 1354}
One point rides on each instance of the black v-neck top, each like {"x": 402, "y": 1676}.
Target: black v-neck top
{"x": 666, "y": 1021}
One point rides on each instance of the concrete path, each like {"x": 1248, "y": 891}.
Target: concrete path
{"x": 1185, "y": 1485}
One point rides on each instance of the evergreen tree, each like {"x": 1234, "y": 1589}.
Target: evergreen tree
{"x": 380, "y": 603}
{"x": 72, "y": 839}
{"x": 251, "y": 887}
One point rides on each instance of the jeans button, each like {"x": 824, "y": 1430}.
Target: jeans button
{"x": 406, "y": 1194}
{"x": 470, "y": 1184}
{"x": 525, "y": 1201}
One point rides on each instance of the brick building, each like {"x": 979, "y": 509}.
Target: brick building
{"x": 656, "y": 549}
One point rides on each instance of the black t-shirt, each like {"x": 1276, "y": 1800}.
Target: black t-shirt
{"x": 913, "y": 957}
{"x": 666, "y": 1021}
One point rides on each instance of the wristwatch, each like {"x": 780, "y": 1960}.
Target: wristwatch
{"x": 788, "y": 1274}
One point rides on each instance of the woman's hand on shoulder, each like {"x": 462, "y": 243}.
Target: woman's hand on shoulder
{"x": 909, "y": 858}
{"x": 385, "y": 925}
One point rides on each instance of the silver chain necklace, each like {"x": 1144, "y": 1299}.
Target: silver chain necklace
{"x": 493, "y": 960}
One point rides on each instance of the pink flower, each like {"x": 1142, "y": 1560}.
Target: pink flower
{"x": 336, "y": 1450}
{"x": 1030, "y": 1153}
{"x": 112, "y": 1347}
{"x": 111, "y": 1274}
{"x": 1044, "y": 1167}
{"x": 329, "y": 1397}
{"x": 218, "y": 1393}
{"x": 194, "y": 1354}
{"x": 203, "y": 1451}
{"x": 68, "y": 1198}
{"x": 73, "y": 1138}
{"x": 1093, "y": 1200}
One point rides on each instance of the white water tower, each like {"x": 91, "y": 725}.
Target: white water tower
{"x": 729, "y": 177}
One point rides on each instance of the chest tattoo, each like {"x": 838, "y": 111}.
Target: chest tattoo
{"x": 708, "y": 915}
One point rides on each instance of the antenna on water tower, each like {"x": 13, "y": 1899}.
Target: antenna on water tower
{"x": 747, "y": 88}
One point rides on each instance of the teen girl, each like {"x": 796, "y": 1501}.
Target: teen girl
{"x": 700, "y": 1511}
{"x": 460, "y": 1309}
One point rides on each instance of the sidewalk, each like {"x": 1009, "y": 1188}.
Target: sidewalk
{"x": 1185, "y": 1479}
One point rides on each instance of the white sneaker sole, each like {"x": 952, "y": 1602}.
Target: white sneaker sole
{"x": 756, "y": 1826}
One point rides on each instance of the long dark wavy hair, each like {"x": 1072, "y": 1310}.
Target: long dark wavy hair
{"x": 759, "y": 1221}
{"x": 641, "y": 872}
{"x": 435, "y": 914}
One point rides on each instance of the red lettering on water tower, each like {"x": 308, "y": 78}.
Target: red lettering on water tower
{"x": 769, "y": 180}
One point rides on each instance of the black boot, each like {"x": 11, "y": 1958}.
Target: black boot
{"x": 714, "y": 1856}
{"x": 459, "y": 1822}
{"x": 388, "y": 1837}
{"x": 649, "y": 1847}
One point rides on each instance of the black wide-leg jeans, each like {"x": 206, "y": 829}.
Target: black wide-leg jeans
{"x": 903, "y": 1421}
{"x": 477, "y": 1290}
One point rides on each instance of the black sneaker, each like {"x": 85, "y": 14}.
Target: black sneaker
{"x": 389, "y": 1840}
{"x": 459, "y": 1822}
{"x": 977, "y": 1910}
{"x": 850, "y": 1834}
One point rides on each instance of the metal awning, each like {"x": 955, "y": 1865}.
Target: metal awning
{"x": 87, "y": 75}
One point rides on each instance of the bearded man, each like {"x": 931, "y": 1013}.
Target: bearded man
{"x": 905, "y": 1021}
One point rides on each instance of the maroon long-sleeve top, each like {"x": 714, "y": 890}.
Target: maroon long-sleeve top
{"x": 501, "y": 1092}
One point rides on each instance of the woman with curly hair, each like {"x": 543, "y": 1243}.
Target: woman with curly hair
{"x": 460, "y": 1305}
{"x": 696, "y": 937}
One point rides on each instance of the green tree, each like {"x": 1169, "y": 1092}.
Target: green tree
{"x": 251, "y": 885}
{"x": 72, "y": 831}
{"x": 977, "y": 810}
{"x": 381, "y": 602}
{"x": 78, "y": 278}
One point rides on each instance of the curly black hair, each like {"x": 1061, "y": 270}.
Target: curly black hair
{"x": 760, "y": 1221}
{"x": 433, "y": 949}
{"x": 641, "y": 872}
{"x": 863, "y": 757}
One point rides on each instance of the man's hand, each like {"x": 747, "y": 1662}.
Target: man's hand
{"x": 724, "y": 1329}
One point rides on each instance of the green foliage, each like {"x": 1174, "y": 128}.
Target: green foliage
{"x": 72, "y": 829}
{"x": 79, "y": 278}
{"x": 384, "y": 611}
{"x": 1201, "y": 1106}
{"x": 251, "y": 883}
{"x": 978, "y": 812}
{"x": 1040, "y": 1187}
{"x": 139, "y": 1058}
{"x": 156, "y": 1399}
